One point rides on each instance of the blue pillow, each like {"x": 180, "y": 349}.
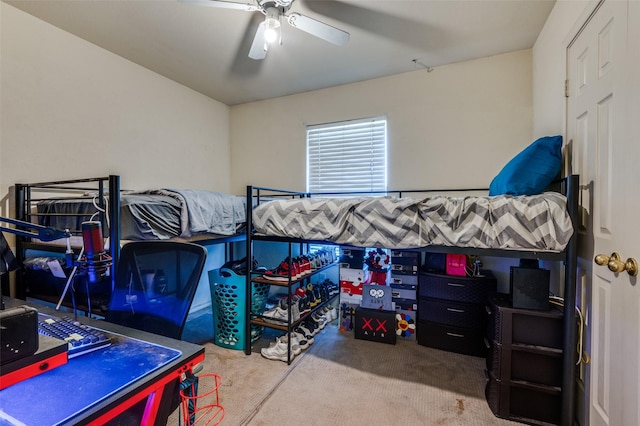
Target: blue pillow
{"x": 532, "y": 170}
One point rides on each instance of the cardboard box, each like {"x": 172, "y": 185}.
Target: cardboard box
{"x": 352, "y": 299}
{"x": 404, "y": 291}
{"x": 407, "y": 258}
{"x": 404, "y": 279}
{"x": 397, "y": 268}
{"x": 400, "y": 304}
{"x": 356, "y": 276}
{"x": 351, "y": 281}
{"x": 375, "y": 325}
{"x": 351, "y": 258}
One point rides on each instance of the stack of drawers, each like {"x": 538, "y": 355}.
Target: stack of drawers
{"x": 405, "y": 266}
{"x": 452, "y": 312}
{"x": 524, "y": 363}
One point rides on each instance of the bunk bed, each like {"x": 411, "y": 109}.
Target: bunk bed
{"x": 540, "y": 226}
{"x": 202, "y": 217}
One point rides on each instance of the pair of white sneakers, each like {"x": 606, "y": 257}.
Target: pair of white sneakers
{"x": 279, "y": 349}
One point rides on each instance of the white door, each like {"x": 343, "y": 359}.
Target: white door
{"x": 603, "y": 123}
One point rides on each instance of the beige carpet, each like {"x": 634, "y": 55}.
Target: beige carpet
{"x": 340, "y": 380}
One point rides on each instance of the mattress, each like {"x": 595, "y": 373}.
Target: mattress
{"x": 532, "y": 223}
{"x": 159, "y": 214}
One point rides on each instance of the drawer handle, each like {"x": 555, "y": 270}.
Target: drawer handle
{"x": 455, "y": 285}
{"x": 460, "y": 311}
{"x": 455, "y": 335}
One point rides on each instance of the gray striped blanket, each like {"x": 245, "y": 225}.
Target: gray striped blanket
{"x": 539, "y": 222}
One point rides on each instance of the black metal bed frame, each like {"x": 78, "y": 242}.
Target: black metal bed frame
{"x": 26, "y": 197}
{"x": 569, "y": 186}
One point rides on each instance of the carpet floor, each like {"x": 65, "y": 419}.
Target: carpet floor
{"x": 341, "y": 380}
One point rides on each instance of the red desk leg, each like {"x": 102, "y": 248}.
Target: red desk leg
{"x": 153, "y": 393}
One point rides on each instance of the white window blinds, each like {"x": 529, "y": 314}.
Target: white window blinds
{"x": 347, "y": 156}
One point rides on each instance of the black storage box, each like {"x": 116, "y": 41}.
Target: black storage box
{"x": 19, "y": 336}
{"x": 375, "y": 325}
{"x": 529, "y": 288}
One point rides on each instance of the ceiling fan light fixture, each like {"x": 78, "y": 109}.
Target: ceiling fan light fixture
{"x": 272, "y": 25}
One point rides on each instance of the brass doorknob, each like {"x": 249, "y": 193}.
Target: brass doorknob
{"x": 616, "y": 265}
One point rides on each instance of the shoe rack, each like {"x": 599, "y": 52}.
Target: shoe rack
{"x": 290, "y": 284}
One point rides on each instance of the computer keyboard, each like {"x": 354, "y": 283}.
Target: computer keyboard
{"x": 80, "y": 338}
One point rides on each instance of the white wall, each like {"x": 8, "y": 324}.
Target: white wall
{"x": 453, "y": 127}
{"x": 70, "y": 109}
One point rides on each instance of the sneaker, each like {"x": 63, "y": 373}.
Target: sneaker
{"x": 295, "y": 344}
{"x": 331, "y": 313}
{"x": 305, "y": 332}
{"x": 295, "y": 268}
{"x": 305, "y": 265}
{"x": 304, "y": 306}
{"x": 311, "y": 327}
{"x": 319, "y": 320}
{"x": 277, "y": 274}
{"x": 313, "y": 302}
{"x": 239, "y": 267}
{"x": 295, "y": 308}
{"x": 276, "y": 315}
{"x": 277, "y": 351}
{"x": 302, "y": 340}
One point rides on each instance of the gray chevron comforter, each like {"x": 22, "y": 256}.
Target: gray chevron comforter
{"x": 538, "y": 222}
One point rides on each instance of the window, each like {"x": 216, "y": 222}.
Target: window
{"x": 347, "y": 156}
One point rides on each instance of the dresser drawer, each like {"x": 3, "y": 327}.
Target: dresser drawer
{"x": 453, "y": 339}
{"x": 532, "y": 364}
{"x": 511, "y": 326}
{"x": 452, "y": 313}
{"x": 462, "y": 289}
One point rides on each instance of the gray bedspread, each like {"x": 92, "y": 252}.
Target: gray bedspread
{"x": 158, "y": 214}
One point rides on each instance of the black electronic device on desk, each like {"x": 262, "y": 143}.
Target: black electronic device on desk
{"x": 25, "y": 353}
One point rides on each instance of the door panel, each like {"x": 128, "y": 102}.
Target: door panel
{"x": 602, "y": 115}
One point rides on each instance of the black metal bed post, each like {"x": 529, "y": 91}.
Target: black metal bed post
{"x": 249, "y": 245}
{"x": 114, "y": 226}
{"x": 570, "y": 331}
{"x": 19, "y": 199}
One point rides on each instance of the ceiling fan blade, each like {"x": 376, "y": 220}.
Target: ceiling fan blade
{"x": 318, "y": 29}
{"x": 223, "y": 4}
{"x": 258, "y": 49}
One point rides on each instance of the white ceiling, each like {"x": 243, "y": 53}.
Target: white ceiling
{"x": 206, "y": 48}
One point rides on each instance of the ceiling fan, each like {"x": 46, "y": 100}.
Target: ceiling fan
{"x": 269, "y": 30}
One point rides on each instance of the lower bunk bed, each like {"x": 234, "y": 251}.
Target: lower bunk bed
{"x": 206, "y": 218}
{"x": 537, "y": 227}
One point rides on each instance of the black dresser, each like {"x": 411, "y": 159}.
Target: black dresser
{"x": 452, "y": 313}
{"x": 524, "y": 362}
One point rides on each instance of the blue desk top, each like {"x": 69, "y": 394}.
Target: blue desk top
{"x": 56, "y": 396}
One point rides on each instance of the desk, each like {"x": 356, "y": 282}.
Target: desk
{"x": 139, "y": 370}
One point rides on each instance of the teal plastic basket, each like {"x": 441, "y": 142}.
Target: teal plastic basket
{"x": 228, "y": 298}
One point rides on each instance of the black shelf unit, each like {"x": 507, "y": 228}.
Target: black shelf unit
{"x": 291, "y": 323}
{"x": 524, "y": 363}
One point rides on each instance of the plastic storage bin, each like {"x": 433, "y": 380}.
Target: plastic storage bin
{"x": 228, "y": 298}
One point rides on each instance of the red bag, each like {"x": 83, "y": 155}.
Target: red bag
{"x": 456, "y": 265}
